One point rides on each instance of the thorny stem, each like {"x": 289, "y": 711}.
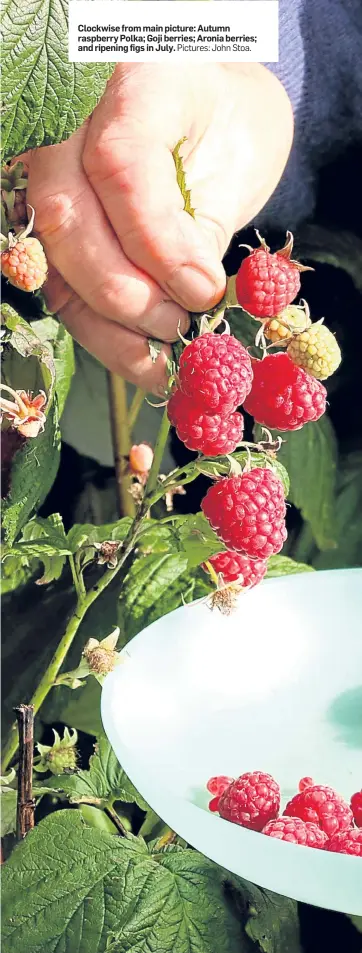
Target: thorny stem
{"x": 135, "y": 407}
{"x": 121, "y": 441}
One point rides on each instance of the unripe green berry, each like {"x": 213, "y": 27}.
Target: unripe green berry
{"x": 316, "y": 350}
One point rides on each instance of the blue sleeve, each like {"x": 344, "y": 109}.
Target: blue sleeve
{"x": 320, "y": 66}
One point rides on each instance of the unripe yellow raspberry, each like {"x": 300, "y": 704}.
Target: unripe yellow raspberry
{"x": 316, "y": 350}
{"x": 284, "y": 326}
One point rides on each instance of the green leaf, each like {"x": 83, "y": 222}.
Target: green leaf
{"x": 220, "y": 466}
{"x": 347, "y": 516}
{"x": 198, "y": 540}
{"x": 70, "y": 887}
{"x": 60, "y": 344}
{"x": 105, "y": 780}
{"x": 283, "y": 566}
{"x": 30, "y": 465}
{"x": 85, "y": 534}
{"x": 8, "y": 800}
{"x": 244, "y": 327}
{"x": 310, "y": 457}
{"x": 270, "y": 920}
{"x": 33, "y": 471}
{"x": 45, "y": 97}
{"x": 147, "y": 581}
{"x": 45, "y": 540}
{"x": 37, "y": 371}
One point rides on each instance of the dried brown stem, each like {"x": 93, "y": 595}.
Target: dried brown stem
{"x": 26, "y": 803}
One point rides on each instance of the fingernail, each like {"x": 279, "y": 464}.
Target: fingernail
{"x": 165, "y": 321}
{"x": 194, "y": 288}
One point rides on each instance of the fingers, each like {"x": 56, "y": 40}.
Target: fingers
{"x": 128, "y": 159}
{"x": 122, "y": 351}
{"x": 80, "y": 243}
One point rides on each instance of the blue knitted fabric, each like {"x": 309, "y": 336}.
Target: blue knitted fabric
{"x": 320, "y": 66}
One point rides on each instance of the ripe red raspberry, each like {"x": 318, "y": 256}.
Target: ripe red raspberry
{"x": 248, "y": 512}
{"x": 214, "y": 804}
{"x": 265, "y": 283}
{"x": 346, "y": 842}
{"x": 218, "y": 784}
{"x": 238, "y": 566}
{"x": 321, "y": 805}
{"x": 296, "y": 831}
{"x": 251, "y": 801}
{"x": 212, "y": 435}
{"x": 305, "y": 783}
{"x": 356, "y": 807}
{"x": 215, "y": 370}
{"x": 284, "y": 396}
{"x": 25, "y": 265}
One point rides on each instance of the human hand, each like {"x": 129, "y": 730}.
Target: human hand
{"x": 126, "y": 261}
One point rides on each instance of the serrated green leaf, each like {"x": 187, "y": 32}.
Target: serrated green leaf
{"x": 220, "y": 466}
{"x": 181, "y": 178}
{"x": 45, "y": 96}
{"x": 27, "y": 364}
{"x": 37, "y": 371}
{"x": 61, "y": 345}
{"x": 83, "y": 534}
{"x": 105, "y": 780}
{"x": 70, "y": 887}
{"x": 33, "y": 471}
{"x": 146, "y": 582}
{"x": 347, "y": 515}
{"x": 283, "y": 566}
{"x": 44, "y": 540}
{"x": 310, "y": 458}
{"x": 198, "y": 540}
{"x": 8, "y": 800}
{"x": 270, "y": 920}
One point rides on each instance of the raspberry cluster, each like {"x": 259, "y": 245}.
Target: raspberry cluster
{"x": 214, "y": 378}
{"x": 315, "y": 817}
{"x": 285, "y": 393}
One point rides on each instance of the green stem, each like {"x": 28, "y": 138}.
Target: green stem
{"x": 159, "y": 450}
{"x": 77, "y": 579}
{"x": 121, "y": 441}
{"x": 48, "y": 679}
{"x": 135, "y": 407}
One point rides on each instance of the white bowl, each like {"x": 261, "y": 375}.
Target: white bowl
{"x": 277, "y": 687}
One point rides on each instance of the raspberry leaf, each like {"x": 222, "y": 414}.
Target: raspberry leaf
{"x": 310, "y": 457}
{"x": 104, "y": 781}
{"x": 146, "y": 582}
{"x": 283, "y": 566}
{"x": 60, "y": 345}
{"x": 45, "y": 97}
{"x": 71, "y": 886}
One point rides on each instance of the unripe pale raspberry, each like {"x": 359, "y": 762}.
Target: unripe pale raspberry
{"x": 210, "y": 434}
{"x": 321, "y": 805}
{"x": 215, "y": 370}
{"x": 284, "y": 396}
{"x": 346, "y": 842}
{"x": 248, "y": 512}
{"x": 266, "y": 283}
{"x": 251, "y": 801}
{"x": 238, "y": 567}
{"x": 295, "y": 831}
{"x": 140, "y": 458}
{"x": 25, "y": 265}
{"x": 293, "y": 320}
{"x": 316, "y": 350}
